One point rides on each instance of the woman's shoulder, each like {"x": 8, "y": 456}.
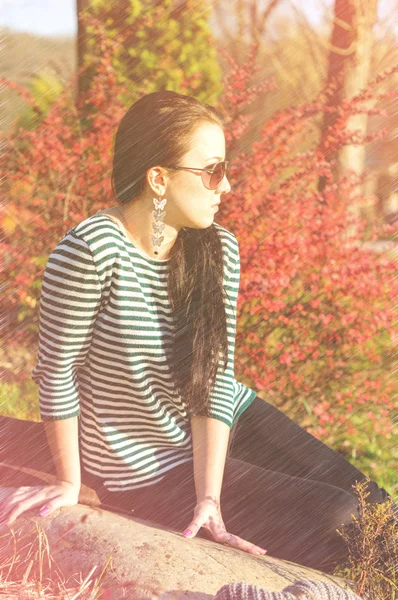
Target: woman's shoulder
{"x": 229, "y": 241}
{"x": 225, "y": 232}
{"x": 99, "y": 232}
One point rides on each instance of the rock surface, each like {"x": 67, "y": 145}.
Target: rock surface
{"x": 142, "y": 559}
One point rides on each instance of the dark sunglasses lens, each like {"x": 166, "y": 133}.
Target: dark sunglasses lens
{"x": 217, "y": 175}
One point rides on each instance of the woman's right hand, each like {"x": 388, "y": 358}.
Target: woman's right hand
{"x": 46, "y": 498}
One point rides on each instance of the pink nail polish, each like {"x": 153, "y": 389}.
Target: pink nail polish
{"x": 44, "y": 511}
{"x": 187, "y": 533}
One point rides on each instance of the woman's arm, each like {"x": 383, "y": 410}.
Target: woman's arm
{"x": 70, "y": 301}
{"x": 62, "y": 436}
{"x": 63, "y": 440}
{"x": 210, "y": 442}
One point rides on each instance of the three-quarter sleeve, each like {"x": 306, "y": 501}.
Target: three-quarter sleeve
{"x": 69, "y": 303}
{"x": 222, "y": 397}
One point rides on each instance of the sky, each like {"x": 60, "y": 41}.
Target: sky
{"x": 58, "y": 17}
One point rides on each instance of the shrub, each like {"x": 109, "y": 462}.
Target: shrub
{"x": 315, "y": 328}
{"x": 372, "y": 544}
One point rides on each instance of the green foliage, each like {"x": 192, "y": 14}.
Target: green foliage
{"x": 20, "y": 400}
{"x": 45, "y": 88}
{"x": 25, "y": 55}
{"x": 163, "y": 47}
{"x": 371, "y": 453}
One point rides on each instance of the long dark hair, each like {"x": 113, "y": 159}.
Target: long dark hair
{"x": 156, "y": 131}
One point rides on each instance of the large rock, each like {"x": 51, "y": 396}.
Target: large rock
{"x": 141, "y": 559}
{"x": 144, "y": 560}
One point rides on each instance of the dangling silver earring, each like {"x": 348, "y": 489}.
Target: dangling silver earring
{"x": 158, "y": 225}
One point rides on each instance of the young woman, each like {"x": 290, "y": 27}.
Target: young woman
{"x": 136, "y": 362}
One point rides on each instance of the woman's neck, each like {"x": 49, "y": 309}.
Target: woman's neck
{"x": 137, "y": 221}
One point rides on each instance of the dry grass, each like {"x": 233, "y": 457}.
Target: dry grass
{"x": 372, "y": 542}
{"x": 30, "y": 571}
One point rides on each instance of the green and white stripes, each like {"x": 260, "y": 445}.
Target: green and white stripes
{"x": 104, "y": 341}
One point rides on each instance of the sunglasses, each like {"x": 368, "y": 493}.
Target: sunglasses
{"x": 211, "y": 176}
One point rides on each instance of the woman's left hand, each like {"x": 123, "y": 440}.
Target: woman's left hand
{"x": 207, "y": 514}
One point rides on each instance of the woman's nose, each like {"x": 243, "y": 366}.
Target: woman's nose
{"x": 224, "y": 186}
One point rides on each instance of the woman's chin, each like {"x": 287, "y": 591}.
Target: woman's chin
{"x": 202, "y": 224}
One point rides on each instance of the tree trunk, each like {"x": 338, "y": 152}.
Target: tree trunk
{"x": 350, "y": 53}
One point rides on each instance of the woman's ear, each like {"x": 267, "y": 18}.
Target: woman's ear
{"x": 157, "y": 178}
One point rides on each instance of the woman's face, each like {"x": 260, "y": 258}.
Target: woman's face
{"x": 189, "y": 202}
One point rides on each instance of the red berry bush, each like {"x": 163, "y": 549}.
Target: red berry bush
{"x": 315, "y": 326}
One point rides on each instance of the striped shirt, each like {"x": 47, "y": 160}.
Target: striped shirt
{"x": 104, "y": 330}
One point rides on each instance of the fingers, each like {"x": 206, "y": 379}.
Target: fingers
{"x": 211, "y": 519}
{"x": 18, "y": 509}
{"x": 24, "y": 499}
{"x": 237, "y": 542}
{"x": 199, "y": 520}
{"x": 13, "y": 499}
{"x": 188, "y": 533}
{"x": 192, "y": 529}
{"x": 221, "y": 535}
